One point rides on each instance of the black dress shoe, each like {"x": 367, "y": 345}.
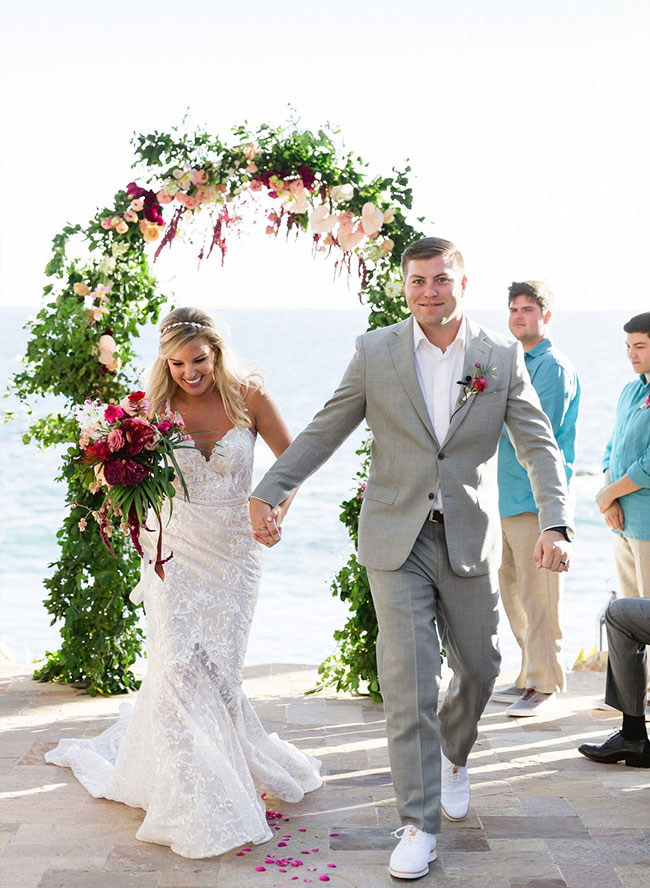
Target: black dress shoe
{"x": 635, "y": 753}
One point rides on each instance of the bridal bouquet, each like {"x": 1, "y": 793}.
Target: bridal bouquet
{"x": 130, "y": 456}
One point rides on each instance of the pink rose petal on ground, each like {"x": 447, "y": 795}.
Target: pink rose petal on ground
{"x": 332, "y": 835}
{"x": 314, "y": 849}
{"x": 263, "y": 796}
{"x": 286, "y": 837}
{"x": 282, "y": 844}
{"x": 286, "y": 819}
{"x": 311, "y": 869}
{"x": 260, "y": 869}
{"x": 324, "y": 878}
{"x": 333, "y": 865}
{"x": 240, "y": 854}
{"x": 317, "y": 837}
{"x": 246, "y": 849}
{"x": 282, "y": 870}
{"x": 302, "y": 829}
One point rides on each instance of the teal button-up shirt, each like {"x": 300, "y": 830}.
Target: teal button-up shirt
{"x": 628, "y": 453}
{"x": 558, "y": 389}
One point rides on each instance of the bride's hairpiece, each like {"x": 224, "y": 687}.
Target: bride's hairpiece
{"x": 183, "y": 324}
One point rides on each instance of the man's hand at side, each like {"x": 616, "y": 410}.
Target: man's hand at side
{"x": 552, "y": 551}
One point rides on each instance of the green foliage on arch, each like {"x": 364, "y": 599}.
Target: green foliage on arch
{"x": 195, "y": 187}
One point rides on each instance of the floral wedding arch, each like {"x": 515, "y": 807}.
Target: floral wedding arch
{"x": 293, "y": 182}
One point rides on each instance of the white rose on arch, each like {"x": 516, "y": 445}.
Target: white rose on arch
{"x": 107, "y": 348}
{"x": 321, "y": 220}
{"x": 372, "y": 218}
{"x": 342, "y": 192}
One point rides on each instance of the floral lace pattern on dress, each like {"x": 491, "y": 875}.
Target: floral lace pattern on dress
{"x": 192, "y": 752}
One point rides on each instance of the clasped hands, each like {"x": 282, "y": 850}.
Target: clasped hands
{"x": 610, "y": 508}
{"x": 266, "y": 521}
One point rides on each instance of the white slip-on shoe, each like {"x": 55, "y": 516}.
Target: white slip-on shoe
{"x": 413, "y": 854}
{"x": 532, "y": 702}
{"x": 454, "y": 789}
{"x": 507, "y": 695}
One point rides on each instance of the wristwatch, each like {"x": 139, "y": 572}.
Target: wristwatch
{"x": 567, "y": 532}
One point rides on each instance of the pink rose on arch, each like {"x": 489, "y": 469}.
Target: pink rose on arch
{"x": 130, "y": 216}
{"x": 112, "y": 413}
{"x": 121, "y": 227}
{"x": 124, "y": 472}
{"x": 115, "y": 440}
{"x": 106, "y": 223}
{"x": 137, "y": 206}
{"x": 164, "y": 198}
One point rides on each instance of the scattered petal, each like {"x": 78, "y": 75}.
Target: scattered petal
{"x": 311, "y": 869}
{"x": 246, "y": 849}
{"x": 333, "y": 865}
{"x": 282, "y": 844}
{"x": 302, "y": 829}
{"x": 260, "y": 869}
{"x": 314, "y": 849}
{"x": 332, "y": 835}
{"x": 324, "y": 878}
{"x": 240, "y": 854}
{"x": 263, "y": 796}
{"x": 286, "y": 837}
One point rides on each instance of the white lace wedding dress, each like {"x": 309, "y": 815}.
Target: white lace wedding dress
{"x": 192, "y": 752}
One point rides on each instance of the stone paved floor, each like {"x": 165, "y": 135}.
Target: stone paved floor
{"x": 542, "y": 816}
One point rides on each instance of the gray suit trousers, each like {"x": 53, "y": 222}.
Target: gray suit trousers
{"x": 628, "y": 633}
{"x": 407, "y": 601}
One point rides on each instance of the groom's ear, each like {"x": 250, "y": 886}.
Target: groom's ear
{"x": 463, "y": 283}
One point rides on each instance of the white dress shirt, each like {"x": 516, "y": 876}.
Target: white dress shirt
{"x": 438, "y": 374}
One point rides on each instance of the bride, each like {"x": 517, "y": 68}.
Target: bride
{"x": 192, "y": 752}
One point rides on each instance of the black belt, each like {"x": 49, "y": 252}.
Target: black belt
{"x": 436, "y": 516}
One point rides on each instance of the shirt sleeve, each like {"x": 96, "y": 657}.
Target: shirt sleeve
{"x": 639, "y": 471}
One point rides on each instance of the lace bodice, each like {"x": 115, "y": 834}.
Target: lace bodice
{"x": 225, "y": 476}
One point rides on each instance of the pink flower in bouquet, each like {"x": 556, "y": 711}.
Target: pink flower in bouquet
{"x": 137, "y": 206}
{"x": 115, "y": 440}
{"x": 121, "y": 227}
{"x": 112, "y": 413}
{"x": 135, "y": 404}
{"x": 124, "y": 472}
{"x": 138, "y": 432}
{"x": 115, "y": 221}
{"x": 106, "y": 223}
{"x": 134, "y": 190}
{"x": 153, "y": 444}
{"x": 130, "y": 216}
{"x": 164, "y": 426}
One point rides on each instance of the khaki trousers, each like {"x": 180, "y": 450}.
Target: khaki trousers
{"x": 531, "y": 598}
{"x": 633, "y": 566}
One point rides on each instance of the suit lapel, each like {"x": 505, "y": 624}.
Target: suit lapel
{"x": 477, "y": 351}
{"x": 401, "y": 350}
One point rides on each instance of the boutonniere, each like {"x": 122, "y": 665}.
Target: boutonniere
{"x": 474, "y": 385}
{"x": 645, "y": 405}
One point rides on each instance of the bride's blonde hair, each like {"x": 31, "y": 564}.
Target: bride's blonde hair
{"x": 177, "y": 329}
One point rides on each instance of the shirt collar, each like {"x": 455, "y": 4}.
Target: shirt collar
{"x": 540, "y": 348}
{"x": 420, "y": 336}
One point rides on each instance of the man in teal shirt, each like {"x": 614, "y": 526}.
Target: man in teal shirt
{"x": 531, "y": 599}
{"x": 625, "y": 498}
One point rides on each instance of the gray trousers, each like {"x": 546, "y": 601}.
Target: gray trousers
{"x": 628, "y": 633}
{"x": 407, "y": 601}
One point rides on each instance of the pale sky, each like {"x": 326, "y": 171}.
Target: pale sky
{"x": 525, "y": 124}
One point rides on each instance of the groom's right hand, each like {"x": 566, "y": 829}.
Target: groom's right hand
{"x": 263, "y": 521}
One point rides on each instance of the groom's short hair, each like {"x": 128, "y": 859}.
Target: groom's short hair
{"x": 638, "y": 324}
{"x": 428, "y": 247}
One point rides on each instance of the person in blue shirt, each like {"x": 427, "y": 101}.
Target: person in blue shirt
{"x": 625, "y": 498}
{"x": 530, "y": 598}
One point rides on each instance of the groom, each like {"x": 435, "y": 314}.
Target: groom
{"x": 429, "y": 532}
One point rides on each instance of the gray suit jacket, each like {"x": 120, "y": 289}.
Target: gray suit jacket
{"x": 381, "y": 386}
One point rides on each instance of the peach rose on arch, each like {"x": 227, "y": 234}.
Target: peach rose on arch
{"x": 149, "y": 230}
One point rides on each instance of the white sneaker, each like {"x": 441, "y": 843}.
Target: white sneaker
{"x": 507, "y": 695}
{"x": 414, "y": 853}
{"x": 454, "y": 789}
{"x": 532, "y": 702}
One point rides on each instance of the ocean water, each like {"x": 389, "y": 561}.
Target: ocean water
{"x": 303, "y": 354}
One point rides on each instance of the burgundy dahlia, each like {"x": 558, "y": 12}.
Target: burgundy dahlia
{"x": 124, "y": 472}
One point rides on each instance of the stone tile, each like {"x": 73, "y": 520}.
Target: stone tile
{"x": 493, "y": 863}
{"x": 633, "y": 876}
{"x": 358, "y": 779}
{"x": 590, "y": 876}
{"x": 81, "y": 879}
{"x": 611, "y": 852}
{"x": 539, "y": 883}
{"x": 534, "y": 827}
{"x": 545, "y": 806}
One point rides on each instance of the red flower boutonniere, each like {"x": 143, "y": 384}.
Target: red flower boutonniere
{"x": 645, "y": 405}
{"x": 474, "y": 385}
